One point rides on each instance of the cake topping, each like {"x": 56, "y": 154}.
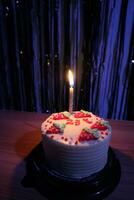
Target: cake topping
{"x": 77, "y": 122}
{"x": 88, "y": 134}
{"x": 106, "y": 123}
{"x": 66, "y": 139}
{"x": 52, "y": 130}
{"x": 100, "y": 125}
{"x": 66, "y": 114}
{"x": 81, "y": 114}
{"x": 61, "y": 115}
{"x": 87, "y": 120}
{"x": 94, "y": 132}
{"x": 86, "y": 112}
{"x": 85, "y": 136}
{"x": 81, "y": 126}
{"x": 76, "y": 142}
{"x": 60, "y": 126}
{"x": 69, "y": 121}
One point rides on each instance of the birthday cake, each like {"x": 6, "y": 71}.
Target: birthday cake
{"x": 76, "y": 145}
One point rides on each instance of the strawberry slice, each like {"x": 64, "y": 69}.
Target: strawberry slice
{"x": 81, "y": 114}
{"x": 59, "y": 116}
{"x": 84, "y": 136}
{"x": 53, "y": 130}
{"x": 99, "y": 126}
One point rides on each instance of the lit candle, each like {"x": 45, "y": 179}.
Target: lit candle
{"x": 71, "y": 90}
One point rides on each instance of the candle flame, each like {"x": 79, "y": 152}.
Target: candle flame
{"x": 70, "y": 77}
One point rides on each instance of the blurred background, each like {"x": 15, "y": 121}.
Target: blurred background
{"x": 40, "y": 40}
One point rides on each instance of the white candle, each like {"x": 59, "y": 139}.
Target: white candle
{"x": 71, "y": 91}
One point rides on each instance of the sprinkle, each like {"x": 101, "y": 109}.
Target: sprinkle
{"x": 76, "y": 142}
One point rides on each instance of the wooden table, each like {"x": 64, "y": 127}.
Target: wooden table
{"x": 20, "y": 133}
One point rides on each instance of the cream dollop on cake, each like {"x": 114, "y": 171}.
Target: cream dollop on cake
{"x": 76, "y": 145}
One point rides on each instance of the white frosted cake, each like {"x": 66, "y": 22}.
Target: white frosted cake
{"x": 76, "y": 145}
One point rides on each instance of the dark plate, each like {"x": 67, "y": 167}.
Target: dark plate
{"x": 56, "y": 186}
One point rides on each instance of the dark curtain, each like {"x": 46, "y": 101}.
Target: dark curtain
{"x": 41, "y": 39}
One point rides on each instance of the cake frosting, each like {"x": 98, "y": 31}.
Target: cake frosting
{"x": 76, "y": 144}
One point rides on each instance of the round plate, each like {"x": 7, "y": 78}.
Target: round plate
{"x": 56, "y": 186}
